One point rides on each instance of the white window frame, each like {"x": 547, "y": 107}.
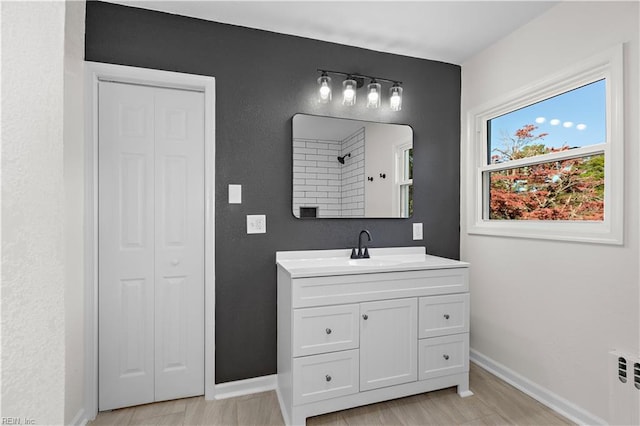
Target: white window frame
{"x": 607, "y": 65}
{"x": 399, "y": 178}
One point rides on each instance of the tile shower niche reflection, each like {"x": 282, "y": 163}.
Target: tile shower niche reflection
{"x": 347, "y": 168}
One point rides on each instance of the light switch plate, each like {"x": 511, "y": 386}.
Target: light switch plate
{"x": 256, "y": 224}
{"x": 235, "y": 194}
{"x": 417, "y": 231}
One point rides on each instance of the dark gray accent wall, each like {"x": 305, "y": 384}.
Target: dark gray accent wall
{"x": 262, "y": 80}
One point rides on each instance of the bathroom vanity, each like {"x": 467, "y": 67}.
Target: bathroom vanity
{"x": 358, "y": 331}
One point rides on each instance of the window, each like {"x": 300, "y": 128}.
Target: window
{"x": 571, "y": 187}
{"x": 548, "y": 159}
{"x": 404, "y": 179}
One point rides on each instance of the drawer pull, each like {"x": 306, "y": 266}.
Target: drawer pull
{"x": 327, "y": 378}
{"x": 328, "y": 331}
{"x": 446, "y": 316}
{"x": 445, "y": 356}
{"x": 365, "y": 317}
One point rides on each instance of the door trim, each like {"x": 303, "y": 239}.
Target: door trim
{"x": 94, "y": 73}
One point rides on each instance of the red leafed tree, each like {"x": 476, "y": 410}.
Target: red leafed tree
{"x": 560, "y": 190}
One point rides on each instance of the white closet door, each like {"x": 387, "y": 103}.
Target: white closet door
{"x": 151, "y": 244}
{"x": 179, "y": 266}
{"x": 126, "y": 245}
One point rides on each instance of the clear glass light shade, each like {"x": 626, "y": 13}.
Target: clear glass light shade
{"x": 395, "y": 100}
{"x": 373, "y": 95}
{"x": 349, "y": 92}
{"x": 324, "y": 90}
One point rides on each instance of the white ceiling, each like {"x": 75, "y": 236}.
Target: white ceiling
{"x": 448, "y": 31}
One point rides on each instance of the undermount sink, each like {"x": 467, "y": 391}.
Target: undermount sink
{"x": 375, "y": 262}
{"x": 338, "y": 262}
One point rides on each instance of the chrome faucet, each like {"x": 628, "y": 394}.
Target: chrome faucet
{"x": 361, "y": 254}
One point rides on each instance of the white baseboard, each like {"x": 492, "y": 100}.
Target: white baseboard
{"x": 80, "y": 419}
{"x": 555, "y": 402}
{"x": 283, "y": 407}
{"x": 246, "y": 387}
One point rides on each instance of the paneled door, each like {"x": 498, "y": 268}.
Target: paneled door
{"x": 150, "y": 244}
{"x": 388, "y": 343}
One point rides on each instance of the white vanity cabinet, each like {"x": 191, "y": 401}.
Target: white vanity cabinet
{"x": 352, "y": 333}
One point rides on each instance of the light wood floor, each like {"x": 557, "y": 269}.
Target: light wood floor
{"x": 494, "y": 403}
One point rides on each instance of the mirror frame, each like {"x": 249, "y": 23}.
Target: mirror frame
{"x": 381, "y": 172}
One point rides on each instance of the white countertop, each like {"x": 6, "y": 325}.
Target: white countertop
{"x": 314, "y": 263}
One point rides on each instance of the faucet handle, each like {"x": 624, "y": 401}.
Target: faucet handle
{"x": 366, "y": 253}
{"x": 353, "y": 253}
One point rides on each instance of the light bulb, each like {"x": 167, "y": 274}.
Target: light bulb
{"x": 325, "y": 88}
{"x": 349, "y": 92}
{"x": 395, "y": 101}
{"x": 373, "y": 96}
{"x": 325, "y": 92}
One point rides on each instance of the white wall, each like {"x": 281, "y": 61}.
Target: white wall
{"x": 73, "y": 172}
{"x": 381, "y": 141}
{"x": 381, "y": 198}
{"x": 352, "y": 174}
{"x": 33, "y": 276}
{"x": 550, "y": 311}
{"x": 42, "y": 211}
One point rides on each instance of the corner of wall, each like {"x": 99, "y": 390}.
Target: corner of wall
{"x": 73, "y": 171}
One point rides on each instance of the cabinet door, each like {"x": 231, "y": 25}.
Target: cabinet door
{"x": 388, "y": 343}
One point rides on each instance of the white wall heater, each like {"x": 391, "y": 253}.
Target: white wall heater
{"x": 624, "y": 388}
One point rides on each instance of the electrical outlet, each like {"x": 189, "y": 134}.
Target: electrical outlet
{"x": 417, "y": 231}
{"x": 256, "y": 224}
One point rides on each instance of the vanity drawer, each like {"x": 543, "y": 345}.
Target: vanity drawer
{"x": 335, "y": 289}
{"x": 443, "y": 315}
{"x": 325, "y": 376}
{"x": 442, "y": 356}
{"x": 325, "y": 329}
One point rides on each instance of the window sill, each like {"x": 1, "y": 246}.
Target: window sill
{"x": 583, "y": 232}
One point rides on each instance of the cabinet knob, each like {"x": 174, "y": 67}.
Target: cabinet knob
{"x": 445, "y": 356}
{"x": 328, "y": 330}
{"x": 365, "y": 317}
{"x": 327, "y": 378}
{"x": 446, "y": 316}
{"x": 175, "y": 262}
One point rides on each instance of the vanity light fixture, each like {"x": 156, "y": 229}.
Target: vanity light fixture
{"x": 353, "y": 82}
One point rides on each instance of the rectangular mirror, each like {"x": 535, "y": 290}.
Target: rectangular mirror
{"x": 351, "y": 169}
